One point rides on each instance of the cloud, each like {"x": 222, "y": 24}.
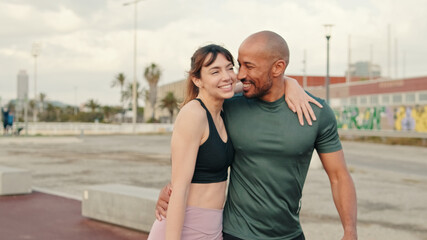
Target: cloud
{"x": 85, "y": 43}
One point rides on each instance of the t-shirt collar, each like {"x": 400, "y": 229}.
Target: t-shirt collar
{"x": 271, "y": 105}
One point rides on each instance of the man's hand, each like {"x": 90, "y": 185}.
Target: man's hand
{"x": 299, "y": 101}
{"x": 163, "y": 202}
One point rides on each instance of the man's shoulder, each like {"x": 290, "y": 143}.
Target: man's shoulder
{"x": 320, "y": 100}
{"x": 316, "y": 109}
{"x": 236, "y": 100}
{"x": 236, "y": 97}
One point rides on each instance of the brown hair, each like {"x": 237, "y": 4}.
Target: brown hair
{"x": 197, "y": 60}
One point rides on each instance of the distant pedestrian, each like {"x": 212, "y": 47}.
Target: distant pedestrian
{"x": 5, "y": 115}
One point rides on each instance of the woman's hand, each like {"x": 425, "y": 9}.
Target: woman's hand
{"x": 299, "y": 101}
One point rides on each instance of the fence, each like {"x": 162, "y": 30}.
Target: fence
{"x": 93, "y": 128}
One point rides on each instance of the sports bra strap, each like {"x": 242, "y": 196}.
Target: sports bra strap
{"x": 201, "y": 103}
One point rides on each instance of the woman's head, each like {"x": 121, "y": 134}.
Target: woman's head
{"x": 203, "y": 57}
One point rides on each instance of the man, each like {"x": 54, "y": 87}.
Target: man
{"x": 273, "y": 152}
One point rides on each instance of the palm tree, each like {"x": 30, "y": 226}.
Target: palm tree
{"x": 152, "y": 74}
{"x": 107, "y": 110}
{"x": 42, "y": 97}
{"x": 127, "y": 94}
{"x": 120, "y": 80}
{"x": 92, "y": 104}
{"x": 32, "y": 105}
{"x": 170, "y": 103}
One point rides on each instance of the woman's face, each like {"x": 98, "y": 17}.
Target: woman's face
{"x": 218, "y": 79}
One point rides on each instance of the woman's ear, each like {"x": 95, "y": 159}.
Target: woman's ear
{"x": 197, "y": 82}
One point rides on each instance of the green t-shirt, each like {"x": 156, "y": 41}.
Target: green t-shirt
{"x": 272, "y": 156}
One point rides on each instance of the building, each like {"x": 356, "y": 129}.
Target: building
{"x": 178, "y": 89}
{"x": 386, "y": 104}
{"x": 22, "y": 81}
{"x": 22, "y": 91}
{"x": 365, "y": 70}
{"x": 381, "y": 104}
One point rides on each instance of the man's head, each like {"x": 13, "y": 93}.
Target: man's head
{"x": 263, "y": 58}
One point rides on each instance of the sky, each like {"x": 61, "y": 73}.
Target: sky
{"x": 85, "y": 44}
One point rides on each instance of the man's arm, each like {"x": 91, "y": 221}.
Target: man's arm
{"x": 163, "y": 201}
{"x": 343, "y": 191}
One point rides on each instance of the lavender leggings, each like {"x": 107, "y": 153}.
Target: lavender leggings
{"x": 199, "y": 223}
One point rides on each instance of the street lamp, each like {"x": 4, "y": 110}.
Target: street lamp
{"x": 134, "y": 110}
{"x": 328, "y": 28}
{"x": 35, "y": 51}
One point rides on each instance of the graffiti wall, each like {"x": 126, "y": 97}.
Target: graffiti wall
{"x": 400, "y": 118}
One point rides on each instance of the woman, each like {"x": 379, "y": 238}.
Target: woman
{"x": 201, "y": 150}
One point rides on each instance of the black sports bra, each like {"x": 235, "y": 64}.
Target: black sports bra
{"x": 214, "y": 156}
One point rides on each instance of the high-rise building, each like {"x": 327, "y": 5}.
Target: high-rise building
{"x": 365, "y": 70}
{"x": 22, "y": 85}
{"x": 22, "y": 96}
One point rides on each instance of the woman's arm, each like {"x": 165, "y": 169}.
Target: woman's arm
{"x": 186, "y": 138}
{"x": 299, "y": 101}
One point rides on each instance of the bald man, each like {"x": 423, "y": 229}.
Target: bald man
{"x": 273, "y": 151}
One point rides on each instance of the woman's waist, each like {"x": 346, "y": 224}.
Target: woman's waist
{"x": 207, "y": 195}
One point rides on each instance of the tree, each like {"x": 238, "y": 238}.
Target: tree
{"x": 152, "y": 74}
{"x": 42, "y": 97}
{"x": 32, "y": 106}
{"x": 120, "y": 80}
{"x": 92, "y": 104}
{"x": 127, "y": 94}
{"x": 52, "y": 114}
{"x": 108, "y": 111}
{"x": 170, "y": 103}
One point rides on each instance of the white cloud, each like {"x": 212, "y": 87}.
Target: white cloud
{"x": 85, "y": 43}
{"x": 64, "y": 20}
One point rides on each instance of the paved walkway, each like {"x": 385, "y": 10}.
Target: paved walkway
{"x": 390, "y": 180}
{"x": 43, "y": 217}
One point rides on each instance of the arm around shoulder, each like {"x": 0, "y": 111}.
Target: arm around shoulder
{"x": 299, "y": 101}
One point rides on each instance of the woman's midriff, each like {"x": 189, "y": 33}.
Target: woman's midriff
{"x": 207, "y": 195}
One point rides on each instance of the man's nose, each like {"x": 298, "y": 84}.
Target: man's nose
{"x": 241, "y": 74}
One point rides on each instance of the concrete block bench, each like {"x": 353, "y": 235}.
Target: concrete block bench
{"x": 14, "y": 181}
{"x": 123, "y": 205}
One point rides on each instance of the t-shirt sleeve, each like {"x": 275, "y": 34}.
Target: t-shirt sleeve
{"x": 327, "y": 137}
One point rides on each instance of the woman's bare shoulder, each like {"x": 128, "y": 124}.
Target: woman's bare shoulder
{"x": 191, "y": 113}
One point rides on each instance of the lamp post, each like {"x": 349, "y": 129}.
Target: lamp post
{"x": 134, "y": 100}
{"x": 35, "y": 51}
{"x": 328, "y": 28}
{"x": 75, "y": 100}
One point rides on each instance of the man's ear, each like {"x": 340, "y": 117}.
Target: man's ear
{"x": 197, "y": 82}
{"x": 278, "y": 68}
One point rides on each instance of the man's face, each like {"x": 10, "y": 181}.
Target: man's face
{"x": 254, "y": 71}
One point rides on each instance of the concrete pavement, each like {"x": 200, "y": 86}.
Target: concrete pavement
{"x": 391, "y": 186}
